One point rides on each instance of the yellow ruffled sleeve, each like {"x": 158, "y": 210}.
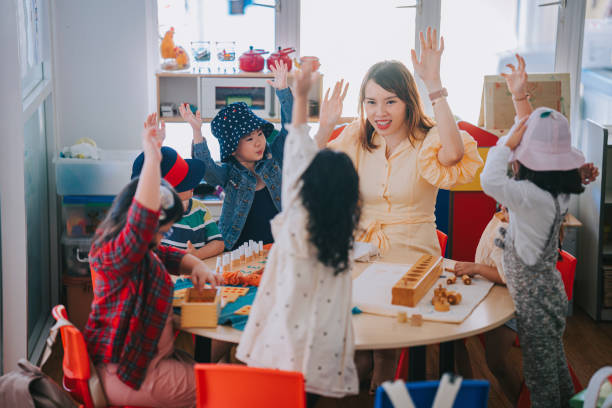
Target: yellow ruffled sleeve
{"x": 448, "y": 176}
{"x": 348, "y": 141}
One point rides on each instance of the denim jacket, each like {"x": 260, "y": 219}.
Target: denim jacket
{"x": 239, "y": 183}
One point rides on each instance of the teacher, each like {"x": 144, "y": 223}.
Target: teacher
{"x": 403, "y": 156}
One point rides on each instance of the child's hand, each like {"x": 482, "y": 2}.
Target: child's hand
{"x": 280, "y": 75}
{"x": 304, "y": 79}
{"x": 331, "y": 108}
{"x": 190, "y": 248}
{"x": 194, "y": 120}
{"x": 201, "y": 274}
{"x": 517, "y": 79}
{"x": 514, "y": 139}
{"x": 431, "y": 54}
{"x": 153, "y": 137}
{"x": 465, "y": 268}
{"x": 588, "y": 173}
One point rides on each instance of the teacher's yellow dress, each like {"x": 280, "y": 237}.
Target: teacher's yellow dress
{"x": 399, "y": 193}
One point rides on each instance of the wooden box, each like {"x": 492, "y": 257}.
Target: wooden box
{"x": 200, "y": 308}
{"x": 415, "y": 283}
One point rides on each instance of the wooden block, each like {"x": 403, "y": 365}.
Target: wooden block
{"x": 244, "y": 310}
{"x": 200, "y": 308}
{"x": 415, "y": 283}
{"x": 416, "y": 320}
{"x": 442, "y": 305}
{"x": 402, "y": 317}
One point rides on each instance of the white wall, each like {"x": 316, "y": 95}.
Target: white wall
{"x": 102, "y": 65}
{"x": 12, "y": 201}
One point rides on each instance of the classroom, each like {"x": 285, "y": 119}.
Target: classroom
{"x": 306, "y": 203}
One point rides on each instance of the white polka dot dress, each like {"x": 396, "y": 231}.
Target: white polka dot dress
{"x": 301, "y": 318}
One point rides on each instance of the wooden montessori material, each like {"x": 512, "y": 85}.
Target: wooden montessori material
{"x": 200, "y": 308}
{"x": 417, "y": 281}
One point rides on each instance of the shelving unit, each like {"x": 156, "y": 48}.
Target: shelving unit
{"x": 209, "y": 92}
{"x": 593, "y": 277}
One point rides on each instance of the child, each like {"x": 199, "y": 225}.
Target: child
{"x": 251, "y": 169}
{"x": 488, "y": 264}
{"x": 196, "y": 232}
{"x": 129, "y": 332}
{"x": 301, "y": 317}
{"x": 547, "y": 170}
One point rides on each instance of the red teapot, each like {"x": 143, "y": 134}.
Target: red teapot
{"x": 252, "y": 60}
{"x": 281, "y": 55}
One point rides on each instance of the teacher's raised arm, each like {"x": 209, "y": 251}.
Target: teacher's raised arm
{"x": 428, "y": 69}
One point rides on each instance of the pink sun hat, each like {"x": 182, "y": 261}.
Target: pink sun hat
{"x": 547, "y": 143}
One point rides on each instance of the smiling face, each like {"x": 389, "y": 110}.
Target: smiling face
{"x": 251, "y": 147}
{"x": 385, "y": 111}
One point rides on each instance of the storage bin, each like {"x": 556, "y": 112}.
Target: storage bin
{"x": 82, "y": 214}
{"x": 106, "y": 176}
{"x": 79, "y": 295}
{"x": 76, "y": 255}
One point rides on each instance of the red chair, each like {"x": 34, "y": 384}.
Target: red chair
{"x": 228, "y": 385}
{"x": 567, "y": 267}
{"x": 336, "y": 132}
{"x": 401, "y": 372}
{"x": 76, "y": 364}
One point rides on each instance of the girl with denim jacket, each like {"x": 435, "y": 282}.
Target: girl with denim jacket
{"x": 252, "y": 161}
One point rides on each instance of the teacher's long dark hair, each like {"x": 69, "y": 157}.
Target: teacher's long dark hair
{"x": 116, "y": 218}
{"x": 330, "y": 194}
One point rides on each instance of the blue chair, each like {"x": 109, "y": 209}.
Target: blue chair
{"x": 472, "y": 394}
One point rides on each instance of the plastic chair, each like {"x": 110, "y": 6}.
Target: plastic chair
{"x": 567, "y": 267}
{"x": 76, "y": 364}
{"x": 228, "y": 385}
{"x": 472, "y": 394}
{"x": 401, "y": 372}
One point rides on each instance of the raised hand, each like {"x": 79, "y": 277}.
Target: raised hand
{"x": 588, "y": 173}
{"x": 280, "y": 75}
{"x": 331, "y": 107}
{"x": 194, "y": 120}
{"x": 517, "y": 79}
{"x": 304, "y": 78}
{"x": 428, "y": 68}
{"x": 152, "y": 138}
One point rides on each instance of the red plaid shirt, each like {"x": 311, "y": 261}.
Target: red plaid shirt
{"x": 133, "y": 296}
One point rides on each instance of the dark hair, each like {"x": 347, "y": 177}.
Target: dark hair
{"x": 393, "y": 76}
{"x": 116, "y": 217}
{"x": 330, "y": 194}
{"x": 555, "y": 182}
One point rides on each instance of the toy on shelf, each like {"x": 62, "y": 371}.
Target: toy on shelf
{"x": 200, "y": 308}
{"x": 174, "y": 57}
{"x": 244, "y": 265}
{"x": 417, "y": 281}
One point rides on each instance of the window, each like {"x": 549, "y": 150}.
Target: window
{"x": 349, "y": 36}
{"x": 209, "y": 20}
{"x": 472, "y": 50}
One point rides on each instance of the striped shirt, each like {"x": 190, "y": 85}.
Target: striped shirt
{"x": 197, "y": 226}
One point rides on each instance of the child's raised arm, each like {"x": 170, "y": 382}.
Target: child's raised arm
{"x": 517, "y": 85}
{"x": 214, "y": 174}
{"x": 285, "y": 97}
{"x": 147, "y": 192}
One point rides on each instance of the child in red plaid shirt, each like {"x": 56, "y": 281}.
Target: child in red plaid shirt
{"x": 129, "y": 333}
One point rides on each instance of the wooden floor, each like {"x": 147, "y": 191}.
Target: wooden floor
{"x": 588, "y": 346}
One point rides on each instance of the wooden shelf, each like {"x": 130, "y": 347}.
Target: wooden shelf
{"x": 313, "y": 119}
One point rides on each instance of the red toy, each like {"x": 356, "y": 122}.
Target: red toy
{"x": 280, "y": 55}
{"x": 252, "y": 60}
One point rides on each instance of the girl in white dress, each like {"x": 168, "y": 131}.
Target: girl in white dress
{"x": 301, "y": 317}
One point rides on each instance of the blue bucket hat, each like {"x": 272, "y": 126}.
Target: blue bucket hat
{"x": 183, "y": 175}
{"x": 234, "y": 122}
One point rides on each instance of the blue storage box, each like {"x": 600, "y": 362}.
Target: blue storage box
{"x": 472, "y": 394}
{"x": 82, "y": 214}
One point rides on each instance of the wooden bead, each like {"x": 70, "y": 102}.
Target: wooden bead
{"x": 416, "y": 320}
{"x": 451, "y": 280}
{"x": 402, "y": 317}
{"x": 466, "y": 280}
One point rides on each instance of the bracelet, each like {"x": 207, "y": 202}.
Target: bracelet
{"x": 515, "y": 99}
{"x": 440, "y": 93}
